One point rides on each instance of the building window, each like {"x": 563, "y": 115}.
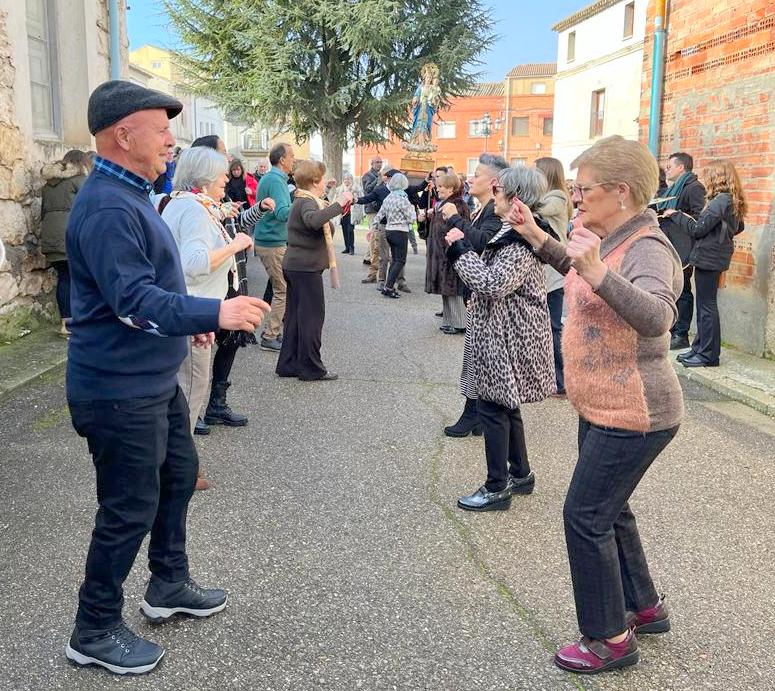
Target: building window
{"x": 629, "y": 19}
{"x": 571, "y": 46}
{"x": 519, "y": 127}
{"x": 445, "y": 130}
{"x": 598, "y": 111}
{"x": 538, "y": 88}
{"x": 41, "y": 50}
{"x": 518, "y": 162}
{"x": 156, "y": 65}
{"x": 471, "y": 165}
{"x": 476, "y": 128}
{"x": 548, "y": 126}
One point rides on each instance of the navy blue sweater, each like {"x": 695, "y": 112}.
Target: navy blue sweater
{"x": 131, "y": 314}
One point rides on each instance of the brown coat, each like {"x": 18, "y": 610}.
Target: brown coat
{"x": 440, "y": 277}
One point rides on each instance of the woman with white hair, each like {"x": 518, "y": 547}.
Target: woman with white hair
{"x": 508, "y": 357}
{"x": 397, "y": 213}
{"x": 195, "y": 215}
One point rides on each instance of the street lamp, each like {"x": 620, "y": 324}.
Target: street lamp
{"x": 488, "y": 127}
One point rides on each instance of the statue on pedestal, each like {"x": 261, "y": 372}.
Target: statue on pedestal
{"x": 426, "y": 101}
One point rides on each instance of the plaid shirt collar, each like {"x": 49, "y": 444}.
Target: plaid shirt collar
{"x": 120, "y": 173}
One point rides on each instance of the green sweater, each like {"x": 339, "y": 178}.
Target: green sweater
{"x": 272, "y": 229}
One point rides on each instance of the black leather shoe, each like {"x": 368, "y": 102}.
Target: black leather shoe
{"x": 697, "y": 361}
{"x": 438, "y": 314}
{"x": 522, "y": 485}
{"x": 468, "y": 423}
{"x": 218, "y": 410}
{"x": 678, "y": 342}
{"x": 328, "y": 376}
{"x": 390, "y": 293}
{"x": 484, "y": 500}
{"x": 682, "y": 356}
{"x": 163, "y": 599}
{"x": 118, "y": 649}
{"x": 201, "y": 427}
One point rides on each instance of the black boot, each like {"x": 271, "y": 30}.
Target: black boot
{"x": 218, "y": 411}
{"x": 468, "y": 422}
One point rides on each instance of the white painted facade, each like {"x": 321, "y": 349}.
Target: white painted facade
{"x": 604, "y": 60}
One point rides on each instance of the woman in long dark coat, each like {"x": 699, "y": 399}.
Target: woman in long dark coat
{"x": 440, "y": 277}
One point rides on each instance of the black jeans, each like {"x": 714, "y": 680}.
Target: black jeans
{"x": 504, "y": 444}
{"x": 305, "y": 312}
{"x": 685, "y": 306}
{"x": 146, "y": 468}
{"x": 707, "y": 342}
{"x": 63, "y": 289}
{"x": 398, "y": 241}
{"x": 348, "y": 232}
{"x": 554, "y": 301}
{"x": 607, "y": 564}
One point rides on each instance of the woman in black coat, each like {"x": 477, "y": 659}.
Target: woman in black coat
{"x": 713, "y": 232}
{"x": 440, "y": 277}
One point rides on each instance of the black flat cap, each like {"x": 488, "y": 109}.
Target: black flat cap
{"x": 114, "y": 100}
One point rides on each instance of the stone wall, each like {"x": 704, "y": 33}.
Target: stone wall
{"x": 26, "y": 284}
{"x": 719, "y": 102}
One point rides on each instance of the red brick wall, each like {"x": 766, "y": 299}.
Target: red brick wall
{"x": 719, "y": 102}
{"x": 536, "y": 144}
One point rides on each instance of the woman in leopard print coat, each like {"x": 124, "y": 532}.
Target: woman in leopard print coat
{"x": 508, "y": 357}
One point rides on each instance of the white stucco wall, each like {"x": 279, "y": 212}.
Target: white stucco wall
{"x": 603, "y": 60}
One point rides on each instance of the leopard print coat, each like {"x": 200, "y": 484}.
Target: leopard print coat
{"x": 508, "y": 357}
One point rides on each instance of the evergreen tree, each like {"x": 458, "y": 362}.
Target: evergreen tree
{"x": 345, "y": 68}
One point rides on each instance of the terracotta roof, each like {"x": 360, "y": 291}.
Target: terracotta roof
{"x": 584, "y": 13}
{"x": 534, "y": 69}
{"x": 486, "y": 89}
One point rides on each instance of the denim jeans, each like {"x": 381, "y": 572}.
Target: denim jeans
{"x": 554, "y": 301}
{"x": 607, "y": 563}
{"x": 397, "y": 240}
{"x": 146, "y": 468}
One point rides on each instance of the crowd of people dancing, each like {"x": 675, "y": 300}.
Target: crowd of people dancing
{"x": 557, "y": 290}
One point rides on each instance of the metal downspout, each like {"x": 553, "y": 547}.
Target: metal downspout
{"x": 114, "y": 25}
{"x": 657, "y": 77}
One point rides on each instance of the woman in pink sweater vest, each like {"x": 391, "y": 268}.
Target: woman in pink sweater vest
{"x": 622, "y": 281}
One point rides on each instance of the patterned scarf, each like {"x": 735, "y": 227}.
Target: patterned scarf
{"x": 219, "y": 212}
{"x": 327, "y": 234}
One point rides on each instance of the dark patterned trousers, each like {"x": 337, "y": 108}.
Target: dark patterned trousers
{"x": 608, "y": 567}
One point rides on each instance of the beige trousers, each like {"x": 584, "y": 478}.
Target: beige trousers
{"x": 272, "y": 259}
{"x": 194, "y": 379}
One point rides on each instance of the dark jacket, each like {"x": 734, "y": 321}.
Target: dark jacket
{"x": 62, "y": 185}
{"x": 236, "y": 190}
{"x": 306, "y": 243}
{"x": 131, "y": 316}
{"x": 373, "y": 200}
{"x": 690, "y": 201}
{"x": 481, "y": 229}
{"x": 370, "y": 181}
{"x": 712, "y": 233}
{"x": 440, "y": 276}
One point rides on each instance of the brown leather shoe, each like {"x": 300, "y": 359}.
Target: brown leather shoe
{"x": 202, "y": 483}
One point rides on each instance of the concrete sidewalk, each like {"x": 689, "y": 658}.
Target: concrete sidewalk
{"x": 741, "y": 377}
{"x": 32, "y": 356}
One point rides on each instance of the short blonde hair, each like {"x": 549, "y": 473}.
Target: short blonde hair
{"x": 619, "y": 160}
{"x": 450, "y": 180}
{"x": 307, "y": 173}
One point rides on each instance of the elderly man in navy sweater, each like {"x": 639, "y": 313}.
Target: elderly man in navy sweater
{"x": 131, "y": 319}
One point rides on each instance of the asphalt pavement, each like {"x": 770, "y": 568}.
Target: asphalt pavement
{"x": 332, "y": 523}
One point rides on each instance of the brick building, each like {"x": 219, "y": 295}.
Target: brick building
{"x": 719, "y": 102}
{"x": 520, "y": 114}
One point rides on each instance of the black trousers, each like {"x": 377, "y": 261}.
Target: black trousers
{"x": 146, "y": 468}
{"x": 223, "y": 361}
{"x": 554, "y": 300}
{"x": 348, "y": 232}
{"x": 398, "y": 241}
{"x": 685, "y": 305}
{"x": 63, "y": 289}
{"x": 504, "y": 444}
{"x": 607, "y": 563}
{"x": 707, "y": 342}
{"x": 305, "y": 312}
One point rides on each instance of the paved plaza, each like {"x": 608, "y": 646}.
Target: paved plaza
{"x": 332, "y": 523}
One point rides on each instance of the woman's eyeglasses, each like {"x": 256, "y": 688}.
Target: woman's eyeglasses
{"x": 581, "y": 190}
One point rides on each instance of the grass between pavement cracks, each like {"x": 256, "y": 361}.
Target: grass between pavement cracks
{"x": 464, "y": 533}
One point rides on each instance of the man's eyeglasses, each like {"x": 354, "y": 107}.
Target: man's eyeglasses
{"x": 581, "y": 190}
